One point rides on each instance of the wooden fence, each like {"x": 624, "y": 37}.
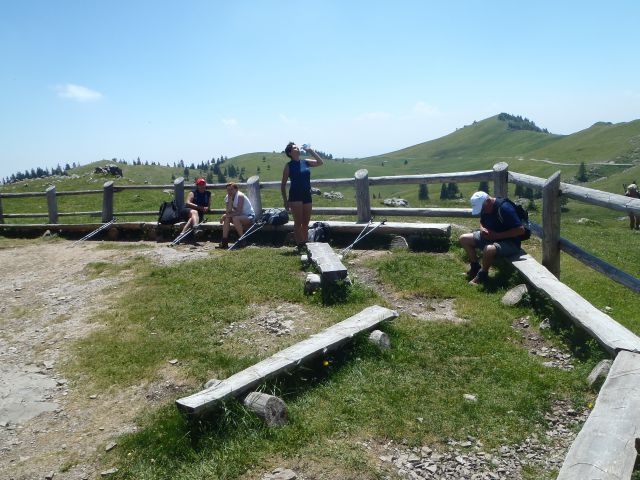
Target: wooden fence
{"x": 552, "y": 189}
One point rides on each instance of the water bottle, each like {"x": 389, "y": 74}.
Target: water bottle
{"x": 303, "y": 149}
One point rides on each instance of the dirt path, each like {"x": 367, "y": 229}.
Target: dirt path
{"x": 48, "y": 299}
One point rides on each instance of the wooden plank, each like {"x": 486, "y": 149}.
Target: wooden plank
{"x": 107, "y": 202}
{"x": 551, "y": 224}
{"x": 501, "y": 180}
{"x": 326, "y": 261}
{"x": 1, "y": 212}
{"x": 286, "y": 360}
{"x": 253, "y": 192}
{"x": 79, "y": 192}
{"x": 422, "y": 212}
{"x": 24, "y": 195}
{"x": 393, "y": 228}
{"x": 601, "y": 266}
{"x": 458, "y": 177}
{"x": 363, "y": 199}
{"x": 609, "y": 333}
{"x": 605, "y": 448}
{"x": 591, "y": 196}
{"x": 52, "y": 204}
{"x": 526, "y": 180}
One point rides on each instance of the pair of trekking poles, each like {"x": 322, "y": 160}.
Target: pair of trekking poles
{"x": 250, "y": 231}
{"x": 361, "y": 235}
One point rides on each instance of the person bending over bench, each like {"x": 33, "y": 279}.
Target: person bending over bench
{"x": 239, "y": 211}
{"x": 196, "y": 206}
{"x": 499, "y": 230}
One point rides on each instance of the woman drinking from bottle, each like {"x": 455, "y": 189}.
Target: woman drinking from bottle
{"x": 299, "y": 200}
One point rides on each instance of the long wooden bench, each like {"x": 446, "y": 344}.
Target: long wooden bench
{"x": 395, "y": 228}
{"x": 285, "y": 360}
{"x": 606, "y": 446}
{"x": 609, "y": 333}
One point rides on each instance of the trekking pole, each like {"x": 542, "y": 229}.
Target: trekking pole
{"x": 251, "y": 231}
{"x": 95, "y": 232}
{"x": 357, "y": 238}
{"x": 181, "y": 237}
{"x": 348, "y": 249}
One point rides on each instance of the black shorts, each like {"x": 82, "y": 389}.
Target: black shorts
{"x": 185, "y": 214}
{"x": 298, "y": 196}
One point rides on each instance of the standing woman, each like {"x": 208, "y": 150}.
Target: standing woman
{"x": 299, "y": 201}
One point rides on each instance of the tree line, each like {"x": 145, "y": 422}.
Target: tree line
{"x": 518, "y": 123}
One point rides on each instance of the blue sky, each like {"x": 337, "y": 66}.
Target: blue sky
{"x": 87, "y": 80}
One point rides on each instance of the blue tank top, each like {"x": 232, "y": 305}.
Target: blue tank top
{"x": 201, "y": 199}
{"x": 300, "y": 176}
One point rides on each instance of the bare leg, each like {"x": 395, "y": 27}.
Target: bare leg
{"x": 192, "y": 222}
{"x": 297, "y": 211}
{"x": 488, "y": 256}
{"x": 469, "y": 245}
{"x": 306, "y": 218}
{"x": 226, "y": 225}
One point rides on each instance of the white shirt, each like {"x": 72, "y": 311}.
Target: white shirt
{"x": 247, "y": 208}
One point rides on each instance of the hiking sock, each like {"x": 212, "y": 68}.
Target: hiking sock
{"x": 473, "y": 269}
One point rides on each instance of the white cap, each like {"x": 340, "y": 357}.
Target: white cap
{"x": 477, "y": 200}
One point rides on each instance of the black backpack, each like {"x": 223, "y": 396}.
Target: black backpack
{"x": 319, "y": 232}
{"x": 275, "y": 216}
{"x": 523, "y": 215}
{"x": 169, "y": 213}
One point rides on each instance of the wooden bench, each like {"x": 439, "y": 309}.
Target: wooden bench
{"x": 609, "y": 333}
{"x": 285, "y": 360}
{"x": 326, "y": 261}
{"x": 395, "y": 228}
{"x": 606, "y": 446}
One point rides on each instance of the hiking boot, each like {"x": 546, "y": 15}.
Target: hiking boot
{"x": 240, "y": 244}
{"x": 480, "y": 278}
{"x": 301, "y": 247}
{"x": 224, "y": 243}
{"x": 473, "y": 270}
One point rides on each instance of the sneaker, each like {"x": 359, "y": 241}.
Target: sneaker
{"x": 480, "y": 278}
{"x": 473, "y": 271}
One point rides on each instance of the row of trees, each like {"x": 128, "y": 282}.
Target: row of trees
{"x": 38, "y": 173}
{"x": 518, "y": 123}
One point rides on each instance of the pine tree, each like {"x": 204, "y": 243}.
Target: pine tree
{"x": 443, "y": 192}
{"x": 582, "y": 173}
{"x": 423, "y": 192}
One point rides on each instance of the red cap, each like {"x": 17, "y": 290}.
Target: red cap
{"x": 201, "y": 180}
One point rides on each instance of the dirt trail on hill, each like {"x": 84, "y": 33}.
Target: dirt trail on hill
{"x": 48, "y": 299}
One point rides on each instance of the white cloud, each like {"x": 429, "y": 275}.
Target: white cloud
{"x": 230, "y": 122}
{"x": 77, "y": 93}
{"x": 422, "y": 108}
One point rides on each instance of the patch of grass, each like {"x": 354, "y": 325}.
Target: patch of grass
{"x": 360, "y": 393}
{"x": 97, "y": 269}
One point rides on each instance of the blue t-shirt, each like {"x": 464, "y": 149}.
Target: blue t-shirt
{"x": 503, "y": 217}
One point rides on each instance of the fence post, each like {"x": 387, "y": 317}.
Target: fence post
{"x": 501, "y": 180}
{"x": 551, "y": 224}
{"x": 178, "y": 191}
{"x": 363, "y": 203}
{"x": 52, "y": 204}
{"x": 107, "y": 202}
{"x": 253, "y": 192}
{"x": 1, "y": 212}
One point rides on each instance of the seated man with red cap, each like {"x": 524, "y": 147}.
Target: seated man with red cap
{"x": 196, "y": 206}
{"x": 500, "y": 229}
